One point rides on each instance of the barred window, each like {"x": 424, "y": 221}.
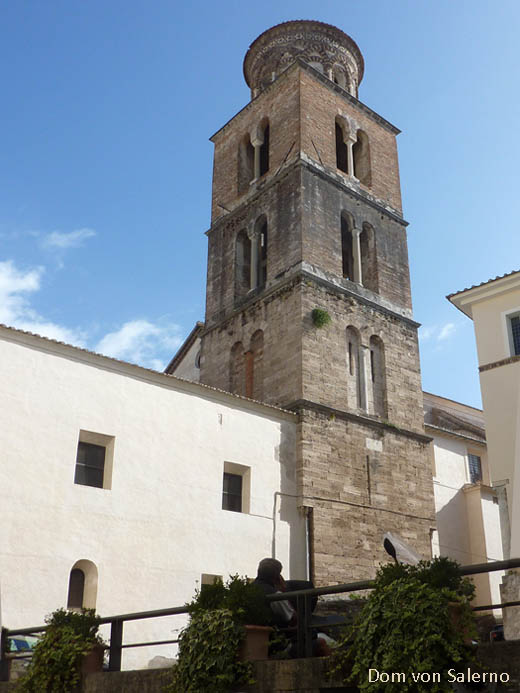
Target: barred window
{"x": 475, "y": 468}
{"x": 515, "y": 334}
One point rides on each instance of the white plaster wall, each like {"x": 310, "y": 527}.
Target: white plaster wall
{"x": 187, "y": 367}
{"x": 491, "y": 518}
{"x": 161, "y": 525}
{"x": 450, "y": 504}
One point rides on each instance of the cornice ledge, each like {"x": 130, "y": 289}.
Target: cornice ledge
{"x": 342, "y": 183}
{"x": 497, "y": 364}
{"x": 454, "y": 434}
{"x": 300, "y": 404}
{"x": 311, "y": 272}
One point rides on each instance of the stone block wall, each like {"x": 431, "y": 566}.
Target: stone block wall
{"x": 320, "y": 103}
{"x": 362, "y": 480}
{"x": 280, "y": 104}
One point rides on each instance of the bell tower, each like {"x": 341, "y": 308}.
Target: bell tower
{"x": 308, "y": 293}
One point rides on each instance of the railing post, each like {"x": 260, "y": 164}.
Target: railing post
{"x": 116, "y": 640}
{"x": 304, "y": 634}
{"x": 4, "y": 662}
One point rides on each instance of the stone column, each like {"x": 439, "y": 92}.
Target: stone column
{"x": 257, "y": 140}
{"x": 351, "y": 141}
{"x": 253, "y": 277}
{"x": 356, "y": 252}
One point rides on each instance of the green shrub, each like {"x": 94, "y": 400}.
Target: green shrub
{"x": 408, "y": 626}
{"x": 320, "y": 317}
{"x": 244, "y": 599}
{"x": 208, "y": 655}
{"x": 55, "y": 666}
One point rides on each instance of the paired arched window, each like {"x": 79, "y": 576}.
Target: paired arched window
{"x": 358, "y": 255}
{"x": 246, "y": 373}
{"x": 83, "y": 580}
{"x": 366, "y": 376}
{"x": 251, "y": 258}
{"x": 352, "y": 152}
{"x": 253, "y": 156}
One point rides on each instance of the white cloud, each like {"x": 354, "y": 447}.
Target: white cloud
{"x": 71, "y": 239}
{"x": 15, "y": 308}
{"x": 140, "y": 341}
{"x": 437, "y": 333}
{"x": 446, "y": 331}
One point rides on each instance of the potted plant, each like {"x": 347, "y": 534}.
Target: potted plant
{"x": 406, "y": 628}
{"x": 215, "y": 644}
{"x": 69, "y": 647}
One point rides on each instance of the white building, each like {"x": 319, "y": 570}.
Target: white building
{"x": 494, "y": 307}
{"x": 117, "y": 473}
{"x": 466, "y": 506}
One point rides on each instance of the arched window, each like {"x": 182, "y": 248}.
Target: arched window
{"x": 264, "y": 149}
{"x": 347, "y": 255}
{"x": 341, "y": 148}
{"x": 83, "y": 580}
{"x": 353, "y": 368}
{"x": 237, "y": 380}
{"x": 246, "y": 163}
{"x": 254, "y": 367}
{"x": 367, "y": 242}
{"x": 361, "y": 156}
{"x": 339, "y": 77}
{"x": 76, "y": 589}
{"x": 242, "y": 264}
{"x": 377, "y": 385}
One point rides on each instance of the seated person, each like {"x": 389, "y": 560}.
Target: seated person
{"x": 269, "y": 579}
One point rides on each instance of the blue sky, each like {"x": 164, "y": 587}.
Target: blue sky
{"x": 105, "y": 175}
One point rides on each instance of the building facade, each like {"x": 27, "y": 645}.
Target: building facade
{"x": 307, "y": 225}
{"x": 494, "y": 307}
{"x": 117, "y": 493}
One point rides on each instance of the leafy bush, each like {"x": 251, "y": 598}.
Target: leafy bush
{"x": 242, "y": 598}
{"x": 208, "y": 655}
{"x": 55, "y": 666}
{"x": 408, "y": 625}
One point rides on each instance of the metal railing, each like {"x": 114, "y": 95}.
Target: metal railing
{"x": 304, "y": 625}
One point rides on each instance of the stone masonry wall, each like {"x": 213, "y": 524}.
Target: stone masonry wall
{"x": 280, "y": 202}
{"x": 361, "y": 480}
{"x": 278, "y": 315}
{"x": 320, "y": 104}
{"x": 324, "y": 355}
{"x": 323, "y": 203}
{"x": 280, "y": 104}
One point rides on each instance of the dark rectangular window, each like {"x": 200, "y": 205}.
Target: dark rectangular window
{"x": 232, "y": 492}
{"x": 90, "y": 465}
{"x": 475, "y": 468}
{"x": 515, "y": 333}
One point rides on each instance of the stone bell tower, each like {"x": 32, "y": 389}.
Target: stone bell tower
{"x": 307, "y": 228}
